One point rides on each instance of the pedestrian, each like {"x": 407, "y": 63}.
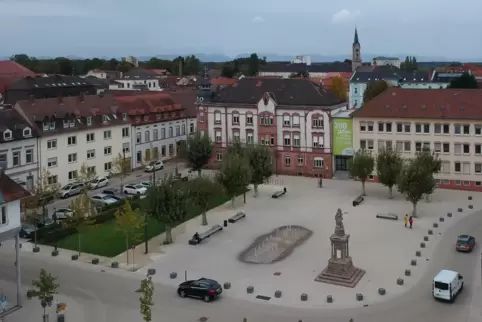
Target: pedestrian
{"x": 405, "y": 220}
{"x": 410, "y": 220}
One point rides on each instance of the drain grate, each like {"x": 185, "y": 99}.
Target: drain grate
{"x": 262, "y": 297}
{"x": 277, "y": 273}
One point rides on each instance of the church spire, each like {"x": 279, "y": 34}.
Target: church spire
{"x": 355, "y": 41}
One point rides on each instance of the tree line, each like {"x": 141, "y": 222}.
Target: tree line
{"x": 248, "y": 66}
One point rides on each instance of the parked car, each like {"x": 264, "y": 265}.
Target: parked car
{"x": 62, "y": 214}
{"x": 146, "y": 184}
{"x": 204, "y": 288}
{"x": 115, "y": 193}
{"x": 43, "y": 221}
{"x": 98, "y": 182}
{"x": 447, "y": 285}
{"x": 104, "y": 199}
{"x": 154, "y": 166}
{"x": 135, "y": 189}
{"x": 27, "y": 231}
{"x": 71, "y": 189}
{"x": 465, "y": 243}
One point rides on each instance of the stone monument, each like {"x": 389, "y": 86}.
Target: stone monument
{"x": 340, "y": 269}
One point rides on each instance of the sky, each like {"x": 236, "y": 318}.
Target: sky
{"x": 88, "y": 28}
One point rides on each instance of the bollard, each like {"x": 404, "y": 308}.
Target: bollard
{"x": 250, "y": 289}
{"x": 399, "y": 281}
{"x": 430, "y": 232}
{"x": 460, "y": 210}
{"x": 413, "y": 262}
{"x": 449, "y": 214}
{"x": 277, "y": 294}
{"x": 173, "y": 275}
{"x": 227, "y": 285}
{"x": 435, "y": 225}
{"x": 151, "y": 271}
{"x": 382, "y": 291}
{"x": 304, "y": 297}
{"x": 114, "y": 264}
{"x": 95, "y": 261}
{"x": 225, "y": 223}
{"x": 408, "y": 272}
{"x": 75, "y": 257}
{"x": 441, "y": 219}
{"x": 359, "y": 297}
{"x": 422, "y": 245}
{"x": 471, "y": 207}
{"x": 425, "y": 238}
{"x": 55, "y": 253}
{"x": 36, "y": 249}
{"x": 418, "y": 253}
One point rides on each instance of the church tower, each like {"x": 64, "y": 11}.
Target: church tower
{"x": 356, "y": 60}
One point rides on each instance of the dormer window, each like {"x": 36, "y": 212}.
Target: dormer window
{"x": 7, "y": 135}
{"x": 138, "y": 119}
{"x": 66, "y": 124}
{"x": 89, "y": 120}
{"x": 114, "y": 116}
{"x": 158, "y": 116}
{"x": 52, "y": 125}
{"x": 124, "y": 116}
{"x": 105, "y": 118}
{"x": 146, "y": 117}
{"x": 72, "y": 123}
{"x": 46, "y": 126}
{"x": 27, "y": 132}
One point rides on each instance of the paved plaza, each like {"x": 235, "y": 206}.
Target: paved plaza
{"x": 383, "y": 248}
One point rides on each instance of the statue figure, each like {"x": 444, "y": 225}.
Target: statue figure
{"x": 339, "y": 228}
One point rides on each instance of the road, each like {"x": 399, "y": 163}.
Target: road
{"x": 98, "y": 296}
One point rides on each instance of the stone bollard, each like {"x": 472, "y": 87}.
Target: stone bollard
{"x": 114, "y": 264}
{"x": 430, "y": 232}
{"x": 277, "y": 294}
{"x": 75, "y": 257}
{"x": 95, "y": 261}
{"x": 250, "y": 289}
{"x": 471, "y": 207}
{"x": 460, "y": 210}
{"x": 225, "y": 223}
{"x": 470, "y": 197}
{"x": 422, "y": 245}
{"x": 36, "y": 249}
{"x": 425, "y": 238}
{"x": 55, "y": 253}
{"x": 382, "y": 291}
{"x": 329, "y": 299}
{"x": 304, "y": 297}
{"x": 227, "y": 285}
{"x": 173, "y": 275}
{"x": 359, "y": 297}
{"x": 413, "y": 262}
{"x": 435, "y": 225}
{"x": 418, "y": 253}
{"x": 408, "y": 272}
{"x": 399, "y": 281}
{"x": 441, "y": 219}
{"x": 151, "y": 271}
{"x": 449, "y": 214}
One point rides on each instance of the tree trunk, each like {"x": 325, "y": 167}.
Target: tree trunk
{"x": 35, "y": 237}
{"x": 363, "y": 188}
{"x": 78, "y": 232}
{"x": 233, "y": 199}
{"x": 168, "y": 235}
{"x": 255, "y": 189}
{"x": 127, "y": 248}
{"x": 414, "y": 211}
{"x": 390, "y": 192}
{"x": 204, "y": 219}
{"x": 122, "y": 183}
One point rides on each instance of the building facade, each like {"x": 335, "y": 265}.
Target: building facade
{"x": 448, "y": 122}
{"x": 386, "y": 61}
{"x": 291, "y": 116}
{"x": 139, "y": 79}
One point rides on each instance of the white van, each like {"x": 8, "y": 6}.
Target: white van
{"x": 447, "y": 285}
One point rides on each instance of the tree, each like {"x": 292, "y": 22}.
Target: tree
{"x": 146, "y": 301}
{"x": 46, "y": 189}
{"x": 339, "y": 88}
{"x": 128, "y": 221}
{"x": 227, "y": 71}
{"x": 201, "y": 192}
{"x": 374, "y": 88}
{"x": 361, "y": 166}
{"x": 253, "y": 64}
{"x": 237, "y": 148}
{"x": 199, "y": 149}
{"x": 464, "y": 81}
{"x": 29, "y": 207}
{"x": 86, "y": 174}
{"x": 389, "y": 164}
{"x": 167, "y": 202}
{"x": 121, "y": 166}
{"x": 44, "y": 289}
{"x": 260, "y": 164}
{"x": 234, "y": 175}
{"x": 410, "y": 64}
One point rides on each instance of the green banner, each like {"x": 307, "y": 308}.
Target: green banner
{"x": 342, "y": 136}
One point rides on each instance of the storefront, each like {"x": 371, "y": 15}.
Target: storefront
{"x": 342, "y": 142}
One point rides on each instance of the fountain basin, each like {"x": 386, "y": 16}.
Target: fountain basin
{"x": 276, "y": 245}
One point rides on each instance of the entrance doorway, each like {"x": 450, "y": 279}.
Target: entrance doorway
{"x": 341, "y": 162}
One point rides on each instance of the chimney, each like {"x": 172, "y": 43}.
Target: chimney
{"x": 81, "y": 96}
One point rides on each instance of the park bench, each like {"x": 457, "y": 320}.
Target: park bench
{"x": 358, "y": 200}
{"x": 279, "y": 193}
{"x": 387, "y": 216}
{"x": 237, "y": 217}
{"x": 205, "y": 235}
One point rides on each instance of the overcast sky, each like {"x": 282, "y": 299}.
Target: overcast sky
{"x": 149, "y": 27}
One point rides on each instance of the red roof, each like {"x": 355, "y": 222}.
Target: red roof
{"x": 10, "y": 190}
{"x": 223, "y": 81}
{"x": 147, "y": 103}
{"x": 449, "y": 104}
{"x": 13, "y": 69}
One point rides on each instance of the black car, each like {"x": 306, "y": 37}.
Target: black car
{"x": 204, "y": 288}
{"x": 465, "y": 243}
{"x": 116, "y": 194}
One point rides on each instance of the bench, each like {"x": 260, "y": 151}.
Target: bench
{"x": 279, "y": 193}
{"x": 387, "y": 216}
{"x": 358, "y": 200}
{"x": 237, "y": 217}
{"x": 205, "y": 235}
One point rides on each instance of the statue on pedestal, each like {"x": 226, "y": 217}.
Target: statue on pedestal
{"x": 339, "y": 227}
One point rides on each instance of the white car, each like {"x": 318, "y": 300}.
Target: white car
{"x": 98, "y": 182}
{"x": 154, "y": 166}
{"x": 62, "y": 213}
{"x": 146, "y": 184}
{"x": 104, "y": 199}
{"x": 135, "y": 189}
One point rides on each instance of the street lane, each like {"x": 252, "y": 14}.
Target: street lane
{"x": 110, "y": 296}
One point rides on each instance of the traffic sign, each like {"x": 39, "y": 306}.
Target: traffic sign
{"x": 61, "y": 307}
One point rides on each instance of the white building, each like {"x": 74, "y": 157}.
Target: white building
{"x": 138, "y": 80}
{"x": 386, "y": 61}
{"x": 302, "y": 60}
{"x": 89, "y": 130}
{"x": 131, "y": 60}
{"x": 18, "y": 148}
{"x": 447, "y": 121}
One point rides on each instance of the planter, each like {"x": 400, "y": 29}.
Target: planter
{"x": 114, "y": 264}
{"x": 36, "y": 249}
{"x": 227, "y": 286}
{"x": 95, "y": 261}
{"x": 75, "y": 257}
{"x": 151, "y": 271}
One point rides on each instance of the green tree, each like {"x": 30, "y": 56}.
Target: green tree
{"x": 253, "y": 64}
{"x": 374, "y": 88}
{"x": 227, "y": 71}
{"x": 237, "y": 148}
{"x": 128, "y": 221}
{"x": 146, "y": 299}
{"x": 121, "y": 167}
{"x": 44, "y": 289}
{"x": 260, "y": 164}
{"x": 31, "y": 214}
{"x": 86, "y": 174}
{"x": 201, "y": 191}
{"x": 464, "y": 81}
{"x": 234, "y": 175}
{"x": 46, "y": 189}
{"x": 199, "y": 149}
{"x": 389, "y": 164}
{"x": 361, "y": 166}
{"x": 339, "y": 88}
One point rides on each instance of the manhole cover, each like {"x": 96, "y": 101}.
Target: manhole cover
{"x": 262, "y": 297}
{"x": 277, "y": 273}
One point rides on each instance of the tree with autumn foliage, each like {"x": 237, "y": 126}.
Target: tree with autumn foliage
{"x": 339, "y": 88}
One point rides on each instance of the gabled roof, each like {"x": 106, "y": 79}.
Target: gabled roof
{"x": 13, "y": 121}
{"x": 10, "y": 190}
{"x": 292, "y": 92}
{"x": 445, "y": 77}
{"x": 147, "y": 103}
{"x": 11, "y": 68}
{"x": 448, "y": 104}
{"x": 56, "y": 81}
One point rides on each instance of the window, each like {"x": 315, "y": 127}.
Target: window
{"x": 466, "y": 148}
{"x": 407, "y": 146}
{"x": 287, "y": 140}
{"x": 72, "y": 140}
{"x": 478, "y": 168}
{"x": 124, "y": 116}
{"x": 163, "y": 151}
{"x": 381, "y": 127}
{"x": 399, "y": 127}
{"x": 437, "y": 128}
{"x": 446, "y": 167}
{"x": 191, "y": 128}
{"x": 249, "y": 119}
{"x": 466, "y": 183}
{"x": 437, "y": 147}
{"x": 27, "y": 132}
{"x": 217, "y": 117}
{"x": 171, "y": 149}
{"x": 72, "y": 157}
{"x": 388, "y": 127}
{"x": 183, "y": 129}
{"x": 446, "y": 128}
{"x": 218, "y": 136}
{"x": 407, "y": 128}
{"x": 287, "y": 160}
{"x": 478, "y": 183}
{"x": 271, "y": 140}
{"x": 138, "y": 137}
{"x": 146, "y": 118}
{"x": 16, "y": 158}
{"x": 296, "y": 120}
{"x": 178, "y": 130}
{"x": 52, "y": 162}
{"x": 366, "y": 144}
{"x": 317, "y": 123}
{"x": 418, "y": 128}
{"x": 457, "y": 149}
{"x": 235, "y": 118}
{"x": 318, "y": 162}
{"x": 296, "y": 140}
{"x": 29, "y": 156}
{"x": 370, "y": 126}
{"x": 300, "y": 160}
{"x": 426, "y": 128}
{"x": 236, "y": 136}
{"x": 90, "y": 137}
{"x": 66, "y": 124}
{"x": 171, "y": 132}
{"x": 478, "y": 129}
{"x": 466, "y": 129}
{"x": 125, "y": 132}
{"x": 52, "y": 180}
{"x": 426, "y": 146}
{"x": 318, "y": 141}
{"x": 466, "y": 167}
{"x": 478, "y": 149}
{"x": 249, "y": 137}
{"x": 52, "y": 144}
{"x": 201, "y": 117}
{"x": 90, "y": 154}
{"x": 107, "y": 166}
{"x": 4, "y": 218}
{"x": 91, "y": 170}
{"x": 155, "y": 135}
{"x": 108, "y": 150}
{"x": 147, "y": 136}
{"x": 73, "y": 175}
{"x": 446, "y": 147}
{"x": 163, "y": 133}
{"x": 89, "y": 120}
{"x": 457, "y": 129}
{"x": 457, "y": 167}
{"x": 286, "y": 120}
{"x": 126, "y": 147}
{"x": 219, "y": 157}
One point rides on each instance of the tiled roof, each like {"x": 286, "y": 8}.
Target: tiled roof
{"x": 292, "y": 92}
{"x": 10, "y": 190}
{"x": 147, "y": 103}
{"x": 13, "y": 121}
{"x": 49, "y": 82}
{"x": 187, "y": 99}
{"x": 11, "y": 68}
{"x": 385, "y": 58}
{"x": 296, "y": 68}
{"x": 425, "y": 104}
{"x": 381, "y": 74}
{"x": 445, "y": 77}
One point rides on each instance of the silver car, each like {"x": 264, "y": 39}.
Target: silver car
{"x": 104, "y": 199}
{"x": 71, "y": 189}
